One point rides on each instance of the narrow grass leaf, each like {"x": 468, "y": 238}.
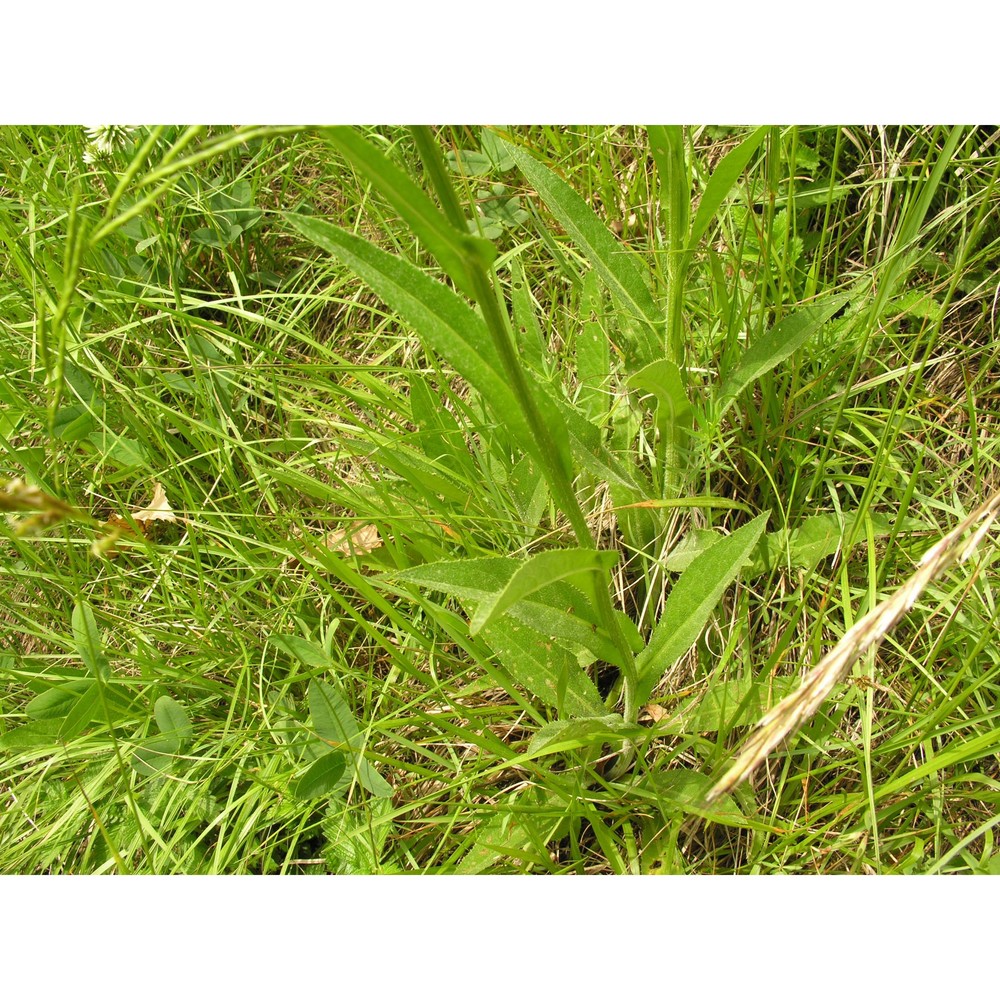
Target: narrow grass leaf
{"x": 692, "y": 601}
{"x": 779, "y": 343}
{"x": 539, "y": 571}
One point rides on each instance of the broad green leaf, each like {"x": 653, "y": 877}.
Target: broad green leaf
{"x": 502, "y": 161}
{"x": 306, "y": 652}
{"x": 322, "y": 777}
{"x": 692, "y": 600}
{"x": 780, "y": 342}
{"x": 615, "y": 264}
{"x": 663, "y": 380}
{"x": 74, "y": 422}
{"x": 118, "y": 450}
{"x": 172, "y": 719}
{"x": 693, "y": 544}
{"x": 34, "y": 734}
{"x": 370, "y": 779}
{"x": 331, "y": 717}
{"x": 155, "y": 757}
{"x": 58, "y": 702}
{"x": 725, "y": 175}
{"x": 539, "y": 571}
{"x": 335, "y": 724}
{"x": 452, "y": 249}
{"x": 468, "y": 162}
{"x": 545, "y": 668}
{"x": 567, "y": 733}
{"x": 88, "y": 640}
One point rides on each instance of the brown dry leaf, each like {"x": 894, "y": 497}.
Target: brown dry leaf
{"x": 158, "y": 509}
{"x": 357, "y": 540}
{"x": 654, "y": 713}
{"x": 354, "y": 541}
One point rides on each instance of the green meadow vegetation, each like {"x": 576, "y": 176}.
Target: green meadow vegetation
{"x": 457, "y": 500}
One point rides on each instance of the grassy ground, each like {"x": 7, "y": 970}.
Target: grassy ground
{"x": 434, "y": 589}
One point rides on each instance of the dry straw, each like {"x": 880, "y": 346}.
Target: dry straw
{"x": 791, "y": 712}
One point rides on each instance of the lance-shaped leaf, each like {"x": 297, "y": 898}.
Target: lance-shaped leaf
{"x": 725, "y": 175}
{"x": 613, "y": 262}
{"x": 781, "y": 341}
{"x": 537, "y": 572}
{"x": 446, "y": 324}
{"x": 452, "y": 248}
{"x": 692, "y": 601}
{"x": 88, "y": 640}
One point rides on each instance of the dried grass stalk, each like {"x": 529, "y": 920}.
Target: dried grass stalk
{"x": 791, "y": 712}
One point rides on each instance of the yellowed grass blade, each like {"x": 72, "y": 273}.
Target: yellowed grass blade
{"x": 791, "y": 712}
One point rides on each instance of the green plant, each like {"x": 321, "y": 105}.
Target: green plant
{"x": 487, "y": 560}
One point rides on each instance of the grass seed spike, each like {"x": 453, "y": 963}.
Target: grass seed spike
{"x": 791, "y": 712}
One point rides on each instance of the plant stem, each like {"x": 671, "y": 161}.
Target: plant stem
{"x": 548, "y": 453}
